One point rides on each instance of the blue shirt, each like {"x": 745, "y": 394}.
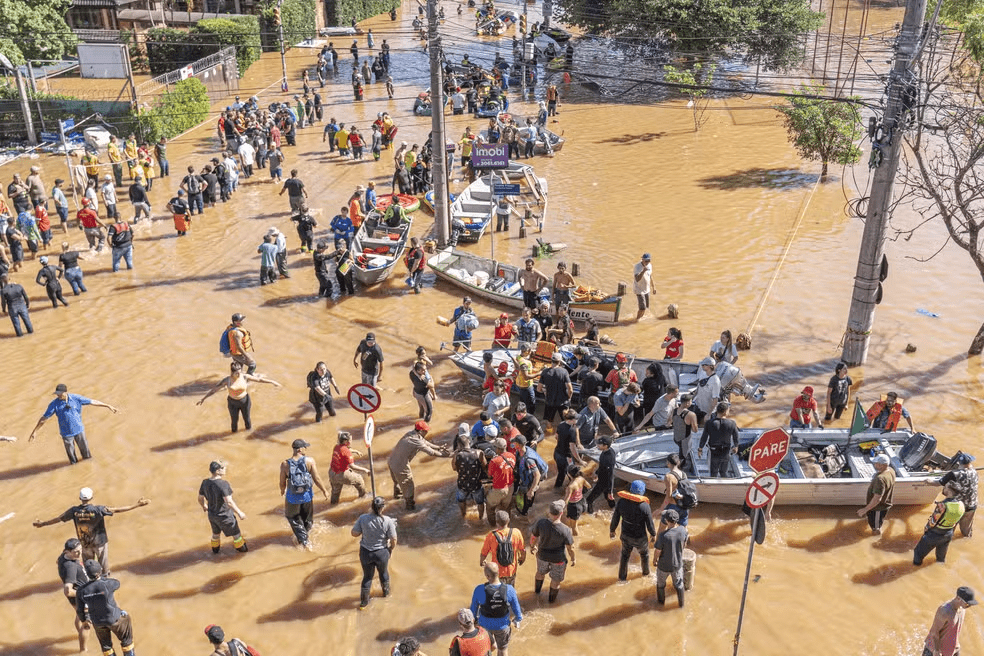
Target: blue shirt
{"x": 342, "y": 225}
{"x": 268, "y": 254}
{"x": 478, "y": 430}
{"x": 69, "y": 414}
{"x": 496, "y": 623}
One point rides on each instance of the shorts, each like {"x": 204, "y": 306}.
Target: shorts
{"x": 295, "y": 202}
{"x": 277, "y": 172}
{"x": 576, "y": 509}
{"x": 230, "y": 529}
{"x": 495, "y": 497}
{"x": 551, "y": 410}
{"x": 643, "y": 300}
{"x": 500, "y": 637}
{"x": 478, "y": 496}
{"x": 557, "y": 571}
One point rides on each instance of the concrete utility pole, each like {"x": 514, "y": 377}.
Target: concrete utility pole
{"x": 26, "y": 108}
{"x": 522, "y": 50}
{"x": 439, "y": 155}
{"x": 887, "y": 145}
{"x": 284, "y": 86}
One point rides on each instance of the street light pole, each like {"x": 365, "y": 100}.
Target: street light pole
{"x": 283, "y": 52}
{"x": 22, "y": 91}
{"x": 438, "y": 153}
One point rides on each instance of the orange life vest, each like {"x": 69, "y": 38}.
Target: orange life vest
{"x": 639, "y": 498}
{"x": 247, "y": 340}
{"x": 479, "y": 644}
{"x": 893, "y": 417}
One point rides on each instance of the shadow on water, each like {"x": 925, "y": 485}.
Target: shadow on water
{"x": 787, "y": 179}
{"x": 287, "y": 301}
{"x": 602, "y": 618}
{"x": 31, "y": 470}
{"x": 194, "y": 388}
{"x": 634, "y": 139}
{"x": 844, "y": 533}
{"x": 226, "y": 281}
{"x": 886, "y": 573}
{"x": 39, "y": 648}
{"x": 168, "y": 562}
{"x": 215, "y": 585}
{"x": 310, "y": 610}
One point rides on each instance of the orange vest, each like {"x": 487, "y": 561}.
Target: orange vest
{"x": 247, "y": 340}
{"x": 893, "y": 418}
{"x": 639, "y": 498}
{"x": 479, "y": 644}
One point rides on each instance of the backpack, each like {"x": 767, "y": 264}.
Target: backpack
{"x": 225, "y": 348}
{"x": 526, "y": 471}
{"x": 504, "y": 552}
{"x": 686, "y": 494}
{"x": 495, "y": 603}
{"x": 193, "y": 184}
{"x": 240, "y": 648}
{"x": 299, "y": 478}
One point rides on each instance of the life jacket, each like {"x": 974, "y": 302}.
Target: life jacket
{"x": 495, "y": 605}
{"x": 479, "y": 644}
{"x": 628, "y": 496}
{"x": 946, "y": 515}
{"x": 893, "y": 417}
{"x": 247, "y": 340}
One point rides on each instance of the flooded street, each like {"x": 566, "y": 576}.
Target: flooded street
{"x": 715, "y": 209}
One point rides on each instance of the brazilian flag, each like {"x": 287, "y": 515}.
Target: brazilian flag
{"x": 859, "y": 422}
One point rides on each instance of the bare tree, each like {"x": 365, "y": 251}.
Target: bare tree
{"x": 944, "y": 170}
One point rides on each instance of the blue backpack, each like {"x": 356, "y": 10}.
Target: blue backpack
{"x": 526, "y": 471}
{"x": 224, "y": 347}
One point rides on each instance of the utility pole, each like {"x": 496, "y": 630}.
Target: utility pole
{"x": 26, "y": 107}
{"x": 886, "y": 148}
{"x": 547, "y": 13}
{"x": 283, "y": 52}
{"x": 522, "y": 52}
{"x": 438, "y": 153}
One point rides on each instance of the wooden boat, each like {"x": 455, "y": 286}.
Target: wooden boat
{"x": 474, "y": 208}
{"x": 499, "y": 282}
{"x": 825, "y": 467}
{"x": 556, "y": 140}
{"x": 409, "y": 202}
{"x": 377, "y": 249}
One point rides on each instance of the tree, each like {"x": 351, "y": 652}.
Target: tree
{"x": 696, "y": 81}
{"x": 762, "y": 30}
{"x": 36, "y": 30}
{"x": 823, "y": 130}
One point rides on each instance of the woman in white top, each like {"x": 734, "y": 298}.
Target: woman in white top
{"x": 724, "y": 349}
{"x": 496, "y": 402}
{"x": 237, "y": 387}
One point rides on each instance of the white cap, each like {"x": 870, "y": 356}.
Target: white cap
{"x": 85, "y": 494}
{"x": 881, "y": 459}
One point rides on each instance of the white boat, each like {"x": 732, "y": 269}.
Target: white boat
{"x": 826, "y": 467}
{"x": 377, "y": 248}
{"x": 499, "y": 282}
{"x": 474, "y": 206}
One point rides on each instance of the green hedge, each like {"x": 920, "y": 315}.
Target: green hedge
{"x": 168, "y": 49}
{"x": 240, "y": 31}
{"x": 299, "y": 19}
{"x": 177, "y": 111}
{"x": 341, "y": 12}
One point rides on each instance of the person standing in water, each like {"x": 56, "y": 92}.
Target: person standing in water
{"x": 237, "y": 386}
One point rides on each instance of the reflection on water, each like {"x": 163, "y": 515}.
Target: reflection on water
{"x": 715, "y": 209}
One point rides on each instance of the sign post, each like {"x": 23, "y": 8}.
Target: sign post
{"x": 368, "y": 431}
{"x": 365, "y": 399}
{"x": 490, "y": 157}
{"x": 766, "y": 454}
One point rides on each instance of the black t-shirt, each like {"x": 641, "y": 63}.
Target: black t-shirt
{"x": 419, "y": 382}
{"x": 591, "y": 382}
{"x": 321, "y": 261}
{"x": 545, "y": 321}
{"x": 215, "y": 491}
{"x": 529, "y": 427}
{"x": 95, "y": 599}
{"x": 71, "y": 571}
{"x": 653, "y": 387}
{"x": 90, "y": 523}
{"x": 179, "y": 205}
{"x": 552, "y": 540}
{"x": 371, "y": 357}
{"x": 294, "y": 187}
{"x": 720, "y": 434}
{"x": 555, "y": 381}
{"x": 306, "y": 223}
{"x": 120, "y": 235}
{"x": 69, "y": 259}
{"x": 193, "y": 183}
{"x": 842, "y": 388}
{"x": 566, "y": 433}
{"x": 469, "y": 469}
{"x": 211, "y": 182}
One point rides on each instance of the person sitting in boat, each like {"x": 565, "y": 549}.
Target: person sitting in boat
{"x": 342, "y": 227}
{"x": 563, "y": 330}
{"x": 886, "y": 414}
{"x": 395, "y": 215}
{"x": 804, "y": 410}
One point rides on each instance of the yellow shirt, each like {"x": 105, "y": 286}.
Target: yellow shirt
{"x": 115, "y": 155}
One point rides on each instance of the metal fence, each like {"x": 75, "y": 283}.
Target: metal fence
{"x": 154, "y": 86}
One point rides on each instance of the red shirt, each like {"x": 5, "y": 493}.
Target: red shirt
{"x": 503, "y": 335}
{"x": 673, "y": 349}
{"x": 88, "y": 218}
{"x": 341, "y": 458}
{"x": 619, "y": 378}
{"x": 501, "y": 470}
{"x": 809, "y": 407}
{"x": 44, "y": 223}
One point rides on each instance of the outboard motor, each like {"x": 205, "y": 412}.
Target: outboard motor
{"x": 917, "y": 451}
{"x": 733, "y": 382}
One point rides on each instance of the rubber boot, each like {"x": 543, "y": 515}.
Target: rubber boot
{"x": 623, "y": 568}
{"x": 538, "y": 587}
{"x": 660, "y": 596}
{"x": 216, "y": 544}
{"x": 552, "y": 597}
{"x": 680, "y": 594}
{"x": 645, "y": 565}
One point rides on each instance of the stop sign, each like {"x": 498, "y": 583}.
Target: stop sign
{"x": 769, "y": 449}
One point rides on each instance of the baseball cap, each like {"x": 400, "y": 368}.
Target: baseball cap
{"x": 646, "y": 256}
{"x": 61, "y": 388}
{"x": 464, "y": 428}
{"x": 671, "y": 515}
{"x": 85, "y": 494}
{"x": 299, "y": 444}
{"x": 607, "y": 441}
{"x": 107, "y": 177}
{"x": 520, "y": 440}
{"x": 707, "y": 362}
{"x": 808, "y": 390}
{"x": 967, "y": 594}
{"x": 215, "y": 633}
{"x": 620, "y": 357}
{"x": 557, "y": 357}
{"x": 43, "y": 259}
{"x": 422, "y": 425}
{"x": 93, "y": 568}
{"x": 557, "y": 507}
{"x": 181, "y": 192}
{"x": 498, "y": 442}
{"x": 215, "y": 466}
{"x": 881, "y": 459}
{"x": 370, "y": 337}
{"x": 637, "y": 487}
{"x": 493, "y": 431}
{"x": 238, "y": 317}
{"x": 503, "y": 316}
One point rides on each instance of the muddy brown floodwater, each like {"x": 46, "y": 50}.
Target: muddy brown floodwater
{"x": 715, "y": 209}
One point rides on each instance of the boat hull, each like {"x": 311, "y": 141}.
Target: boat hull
{"x": 377, "y": 267}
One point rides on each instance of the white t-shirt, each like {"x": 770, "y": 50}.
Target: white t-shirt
{"x": 663, "y": 408}
{"x": 495, "y": 405}
{"x": 728, "y": 355}
{"x": 248, "y": 153}
{"x": 109, "y": 193}
{"x": 641, "y": 286}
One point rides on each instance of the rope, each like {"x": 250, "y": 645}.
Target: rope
{"x": 782, "y": 258}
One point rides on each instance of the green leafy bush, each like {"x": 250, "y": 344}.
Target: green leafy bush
{"x": 177, "y": 111}
{"x": 243, "y": 32}
{"x": 168, "y": 49}
{"x": 341, "y": 12}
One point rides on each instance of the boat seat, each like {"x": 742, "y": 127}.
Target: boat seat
{"x": 373, "y": 244}
{"x": 473, "y": 215}
{"x": 860, "y": 466}
{"x": 808, "y": 465}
